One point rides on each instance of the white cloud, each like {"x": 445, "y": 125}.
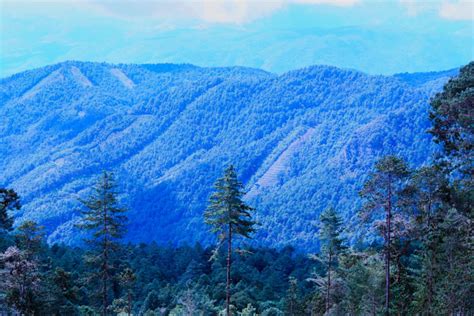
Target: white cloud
{"x": 339, "y": 3}
{"x": 236, "y": 11}
{"x": 446, "y": 9}
{"x": 207, "y": 11}
{"x": 228, "y": 11}
{"x": 241, "y": 11}
{"x": 415, "y": 7}
{"x": 457, "y": 10}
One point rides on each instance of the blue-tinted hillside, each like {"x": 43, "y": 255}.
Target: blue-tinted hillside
{"x": 301, "y": 141}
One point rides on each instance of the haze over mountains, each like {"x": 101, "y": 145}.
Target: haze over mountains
{"x": 301, "y": 141}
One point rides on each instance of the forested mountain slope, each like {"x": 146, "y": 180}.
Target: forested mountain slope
{"x": 300, "y": 141}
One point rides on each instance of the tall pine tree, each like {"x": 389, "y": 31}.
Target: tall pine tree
{"x": 331, "y": 249}
{"x": 104, "y": 219}
{"x": 293, "y": 305}
{"x": 427, "y": 192}
{"x": 381, "y": 192}
{"x": 455, "y": 284}
{"x": 230, "y": 217}
{"x": 452, "y": 115}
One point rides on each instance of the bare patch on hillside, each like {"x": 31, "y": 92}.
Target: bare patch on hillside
{"x": 126, "y": 81}
{"x": 54, "y": 77}
{"x": 280, "y": 165}
{"x": 80, "y": 77}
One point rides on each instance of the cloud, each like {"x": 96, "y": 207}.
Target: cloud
{"x": 339, "y": 3}
{"x": 208, "y": 11}
{"x": 236, "y": 11}
{"x": 458, "y": 10}
{"x": 415, "y": 7}
{"x": 445, "y": 9}
{"x": 228, "y": 11}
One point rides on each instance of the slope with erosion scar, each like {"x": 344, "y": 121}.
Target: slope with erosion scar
{"x": 80, "y": 77}
{"x": 280, "y": 165}
{"x": 126, "y": 81}
{"x": 170, "y": 136}
{"x": 54, "y": 78}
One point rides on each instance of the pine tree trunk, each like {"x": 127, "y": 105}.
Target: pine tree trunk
{"x": 430, "y": 283}
{"x": 374, "y": 309}
{"x": 229, "y": 257}
{"x": 328, "y": 282}
{"x": 104, "y": 294}
{"x": 105, "y": 267}
{"x": 431, "y": 253}
{"x": 129, "y": 303}
{"x": 387, "y": 249}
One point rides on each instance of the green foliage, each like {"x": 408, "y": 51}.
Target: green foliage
{"x": 332, "y": 248}
{"x": 102, "y": 215}
{"x": 87, "y": 311}
{"x": 229, "y": 216}
{"x": 330, "y": 233}
{"x": 227, "y": 212}
{"x": 195, "y": 301}
{"x": 9, "y": 201}
{"x": 425, "y": 261}
{"x": 61, "y": 293}
{"x": 168, "y": 137}
{"x": 293, "y": 304}
{"x": 382, "y": 194}
{"x": 427, "y": 193}
{"x": 127, "y": 280}
{"x": 452, "y": 115}
{"x": 363, "y": 275}
{"x": 249, "y": 310}
{"x": 20, "y": 280}
{"x": 272, "y": 311}
{"x": 105, "y": 221}
{"x": 119, "y": 306}
{"x": 151, "y": 302}
{"x": 456, "y": 280}
{"x": 29, "y": 237}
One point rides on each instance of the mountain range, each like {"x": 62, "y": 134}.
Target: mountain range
{"x": 300, "y": 141}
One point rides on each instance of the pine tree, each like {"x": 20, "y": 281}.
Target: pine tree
{"x": 363, "y": 276}
{"x": 381, "y": 192}
{"x": 9, "y": 201}
{"x": 61, "y": 294}
{"x": 452, "y": 116}
{"x": 455, "y": 287}
{"x": 195, "y": 301}
{"x": 151, "y": 303}
{"x": 229, "y": 216}
{"x": 104, "y": 219}
{"x": 331, "y": 248}
{"x": 293, "y": 306}
{"x": 20, "y": 280}
{"x": 29, "y": 238}
{"x": 127, "y": 279}
{"x": 427, "y": 193}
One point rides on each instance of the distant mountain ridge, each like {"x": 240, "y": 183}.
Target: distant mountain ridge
{"x": 300, "y": 141}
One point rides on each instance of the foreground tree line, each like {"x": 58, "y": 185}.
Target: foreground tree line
{"x": 409, "y": 254}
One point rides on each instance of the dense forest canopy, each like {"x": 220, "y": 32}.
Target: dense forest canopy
{"x": 421, "y": 263}
{"x": 299, "y": 141}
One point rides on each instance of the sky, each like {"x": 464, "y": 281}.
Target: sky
{"x": 374, "y": 36}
